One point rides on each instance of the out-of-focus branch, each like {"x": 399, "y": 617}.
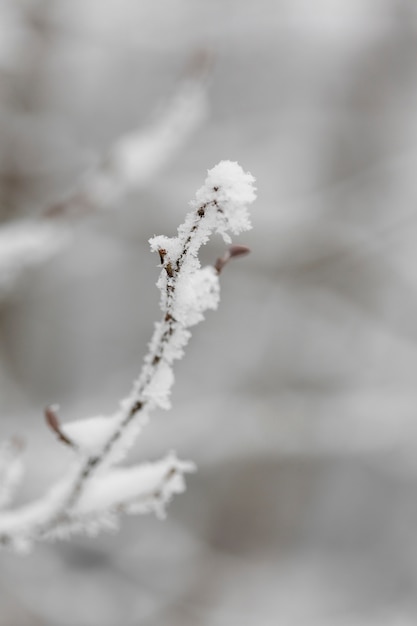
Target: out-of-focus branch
{"x": 130, "y": 164}
{"x": 138, "y": 156}
{"x": 27, "y": 243}
{"x": 11, "y": 470}
{"x": 92, "y": 489}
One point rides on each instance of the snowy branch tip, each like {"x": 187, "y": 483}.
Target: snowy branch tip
{"x": 230, "y": 188}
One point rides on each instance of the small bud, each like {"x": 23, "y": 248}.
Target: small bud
{"x": 53, "y": 423}
{"x": 238, "y": 251}
{"x": 231, "y": 253}
{"x": 162, "y": 252}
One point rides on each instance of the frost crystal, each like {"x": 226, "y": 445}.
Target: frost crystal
{"x": 159, "y": 388}
{"x": 196, "y": 293}
{"x": 233, "y": 189}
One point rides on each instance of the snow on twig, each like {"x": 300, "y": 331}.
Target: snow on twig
{"x": 94, "y": 491}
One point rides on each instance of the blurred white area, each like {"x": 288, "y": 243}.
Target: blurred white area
{"x": 297, "y": 399}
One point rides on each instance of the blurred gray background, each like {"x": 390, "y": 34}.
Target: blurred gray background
{"x": 297, "y": 399}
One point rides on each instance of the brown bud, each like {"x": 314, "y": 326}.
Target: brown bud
{"x": 238, "y": 251}
{"x": 231, "y": 253}
{"x": 169, "y": 270}
{"x": 162, "y": 253}
{"x": 53, "y": 423}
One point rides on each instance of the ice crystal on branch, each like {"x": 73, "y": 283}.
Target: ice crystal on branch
{"x": 232, "y": 189}
{"x": 94, "y": 491}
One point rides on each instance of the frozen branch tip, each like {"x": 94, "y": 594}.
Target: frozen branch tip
{"x": 95, "y": 490}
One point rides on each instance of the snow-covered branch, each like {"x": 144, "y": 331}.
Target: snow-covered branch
{"x": 130, "y": 164}
{"x": 94, "y": 491}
